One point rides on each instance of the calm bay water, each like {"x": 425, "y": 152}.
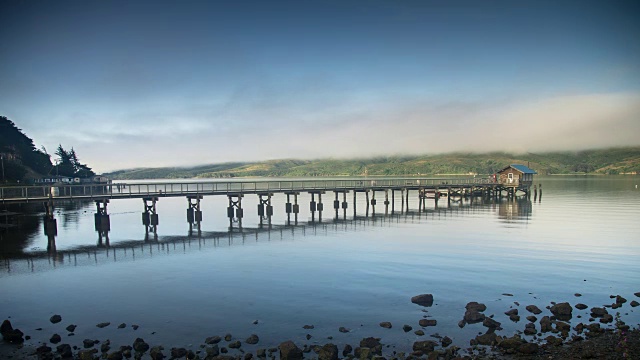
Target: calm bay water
{"x": 582, "y": 236}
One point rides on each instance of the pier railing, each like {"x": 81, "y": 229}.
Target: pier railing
{"x": 166, "y": 189}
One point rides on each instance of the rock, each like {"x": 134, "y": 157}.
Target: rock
{"x": 634, "y": 303}
{"x": 487, "y": 339}
{"x": 261, "y": 353}
{"x": 507, "y": 294}
{"x": 419, "y": 332}
{"x": 446, "y": 341}
{"x": 87, "y": 354}
{"x": 581, "y": 306}
{"x": 385, "y": 324}
{"x": 563, "y": 327}
{"x": 530, "y": 329}
{"x": 308, "y": 327}
{"x": 598, "y": 312}
{"x": 289, "y": 351}
{"x": 6, "y": 327}
{"x": 473, "y": 316}
{"x": 370, "y": 342}
{"x": 620, "y": 299}
{"x": 55, "y": 319}
{"x": 532, "y": 318}
{"x": 103, "y": 325}
{"x": 213, "y": 351}
{"x": 122, "y": 326}
{"x": 253, "y": 339}
{"x": 88, "y": 343}
{"x": 135, "y": 327}
{"x": 562, "y": 311}
{"x": 512, "y": 343}
{"x": 475, "y": 306}
{"x": 213, "y": 340}
{"x": 554, "y": 341}
{"x": 427, "y": 322}
{"x": 328, "y": 352}
{"x": 514, "y": 318}
{"x": 545, "y": 324}
{"x": 71, "y": 328}
{"x": 347, "y": 350}
{"x": 105, "y": 347}
{"x": 235, "y": 344}
{"x": 248, "y": 356}
{"x": 228, "y": 337}
{"x": 533, "y": 309}
{"x": 425, "y": 346}
{"x": 156, "y": 353}
{"x": 362, "y": 353}
{"x": 528, "y": 348}
{"x": 177, "y": 353}
{"x": 343, "y": 329}
{"x": 490, "y": 323}
{"x": 43, "y": 349}
{"x": 55, "y": 338}
{"x": 140, "y": 346}
{"x": 406, "y": 328}
{"x": 64, "y": 350}
{"x": 606, "y": 319}
{"x": 423, "y": 300}
{"x": 308, "y": 336}
{"x": 511, "y": 312}
{"x": 461, "y": 324}
{"x": 116, "y": 355}
{"x": 577, "y": 294}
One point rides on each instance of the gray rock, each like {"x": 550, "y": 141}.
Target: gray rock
{"x": 213, "y": 340}
{"x": 347, "y": 350}
{"x": 530, "y": 329}
{"x": 487, "y": 339}
{"x": 473, "y": 316}
{"x": 562, "y": 311}
{"x": 55, "y": 338}
{"x": 475, "y": 306}
{"x": 55, "y": 319}
{"x": 386, "y": 325}
{"x": 235, "y": 344}
{"x": 532, "y": 318}
{"x": 140, "y": 346}
{"x": 533, "y": 309}
{"x": 427, "y": 322}
{"x": 289, "y": 351}
{"x": 343, "y": 329}
{"x": 328, "y": 352}
{"x": 425, "y": 346}
{"x": 71, "y": 328}
{"x": 88, "y": 343}
{"x": 634, "y": 303}
{"x": 308, "y": 327}
{"x": 253, "y": 339}
{"x": 598, "y": 312}
{"x": 64, "y": 350}
{"x": 446, "y": 341}
{"x": 490, "y": 323}
{"x": 423, "y": 300}
{"x": 419, "y": 332}
{"x": 122, "y": 326}
{"x": 228, "y": 337}
{"x": 545, "y": 324}
{"x": 581, "y": 306}
{"x": 103, "y": 325}
{"x": 406, "y": 328}
{"x": 156, "y": 353}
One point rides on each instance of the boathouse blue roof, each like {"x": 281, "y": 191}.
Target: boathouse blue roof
{"x": 523, "y": 169}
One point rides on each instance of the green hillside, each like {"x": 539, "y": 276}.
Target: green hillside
{"x": 604, "y": 161}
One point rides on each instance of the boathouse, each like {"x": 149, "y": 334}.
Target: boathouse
{"x": 516, "y": 176}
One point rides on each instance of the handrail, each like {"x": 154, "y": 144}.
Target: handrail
{"x": 172, "y": 188}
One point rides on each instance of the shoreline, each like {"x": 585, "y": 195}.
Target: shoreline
{"x": 549, "y": 334}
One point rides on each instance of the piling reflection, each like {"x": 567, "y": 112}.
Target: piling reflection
{"x": 507, "y": 209}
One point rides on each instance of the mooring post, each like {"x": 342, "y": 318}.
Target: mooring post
{"x": 402, "y": 201}
{"x": 336, "y": 204}
{"x": 407, "y": 200}
{"x": 150, "y": 217}
{"x": 296, "y": 207}
{"x": 367, "y": 203}
{"x": 393, "y": 201}
{"x": 344, "y": 205}
{"x": 288, "y": 209}
{"x": 449, "y": 197}
{"x": 354, "y": 203}
{"x": 320, "y": 207}
{"x": 312, "y": 208}
{"x": 101, "y": 221}
{"x": 373, "y": 203}
{"x": 386, "y": 202}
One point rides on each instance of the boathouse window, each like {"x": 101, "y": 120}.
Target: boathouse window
{"x": 510, "y": 177}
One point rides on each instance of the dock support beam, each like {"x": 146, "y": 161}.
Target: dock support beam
{"x": 386, "y": 202}
{"x": 373, "y": 203}
{"x": 265, "y": 210}
{"x": 150, "y": 217}
{"x": 313, "y": 206}
{"x": 234, "y": 211}
{"x": 295, "y": 208}
{"x": 102, "y": 222}
{"x": 194, "y": 215}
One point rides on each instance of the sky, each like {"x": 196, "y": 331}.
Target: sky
{"x": 169, "y": 83}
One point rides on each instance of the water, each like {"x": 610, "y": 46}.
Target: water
{"x": 582, "y": 236}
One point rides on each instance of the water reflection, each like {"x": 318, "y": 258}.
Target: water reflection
{"x": 510, "y": 210}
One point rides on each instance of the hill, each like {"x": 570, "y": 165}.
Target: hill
{"x": 601, "y": 161}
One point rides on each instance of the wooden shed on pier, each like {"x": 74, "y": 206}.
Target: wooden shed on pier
{"x": 517, "y": 176}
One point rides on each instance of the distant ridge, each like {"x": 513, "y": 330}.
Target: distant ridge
{"x": 602, "y": 161}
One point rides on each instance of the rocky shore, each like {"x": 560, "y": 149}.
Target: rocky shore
{"x": 596, "y": 332}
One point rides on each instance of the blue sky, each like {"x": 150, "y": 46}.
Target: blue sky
{"x": 166, "y": 83}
